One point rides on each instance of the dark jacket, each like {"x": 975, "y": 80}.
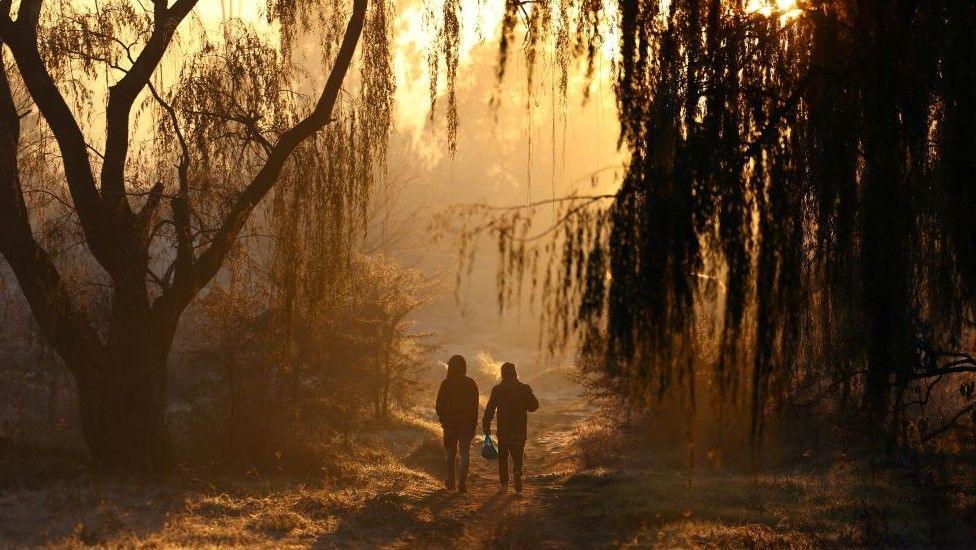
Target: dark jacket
{"x": 513, "y": 400}
{"x": 457, "y": 404}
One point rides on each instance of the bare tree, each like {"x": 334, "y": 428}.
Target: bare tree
{"x": 121, "y": 368}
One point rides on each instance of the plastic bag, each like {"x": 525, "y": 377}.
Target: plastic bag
{"x": 488, "y": 450}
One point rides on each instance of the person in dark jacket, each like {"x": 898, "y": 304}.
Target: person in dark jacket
{"x": 457, "y": 409}
{"x": 512, "y": 399}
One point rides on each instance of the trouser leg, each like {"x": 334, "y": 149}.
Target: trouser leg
{"x": 517, "y": 449}
{"x": 502, "y": 462}
{"x": 450, "y": 458}
{"x": 465, "y": 452}
{"x": 518, "y": 452}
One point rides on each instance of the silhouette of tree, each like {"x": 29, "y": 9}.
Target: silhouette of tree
{"x": 231, "y": 114}
{"x": 803, "y": 170}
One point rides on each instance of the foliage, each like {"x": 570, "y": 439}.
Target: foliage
{"x": 277, "y": 387}
{"x": 795, "y": 210}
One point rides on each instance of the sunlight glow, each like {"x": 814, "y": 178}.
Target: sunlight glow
{"x": 753, "y": 6}
{"x": 784, "y": 10}
{"x": 213, "y": 11}
{"x": 416, "y": 34}
{"x": 790, "y": 15}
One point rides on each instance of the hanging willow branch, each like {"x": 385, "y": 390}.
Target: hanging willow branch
{"x": 819, "y": 161}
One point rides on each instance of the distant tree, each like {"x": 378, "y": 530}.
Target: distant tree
{"x": 229, "y": 113}
{"x": 386, "y": 297}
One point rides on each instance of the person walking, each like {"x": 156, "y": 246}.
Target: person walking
{"x": 457, "y": 410}
{"x": 513, "y": 400}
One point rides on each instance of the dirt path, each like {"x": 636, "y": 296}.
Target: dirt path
{"x": 488, "y": 516}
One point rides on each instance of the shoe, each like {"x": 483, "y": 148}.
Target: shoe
{"x": 518, "y": 485}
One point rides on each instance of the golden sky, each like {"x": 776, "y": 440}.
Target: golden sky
{"x": 413, "y": 37}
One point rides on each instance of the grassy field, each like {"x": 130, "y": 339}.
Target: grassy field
{"x": 80, "y": 508}
{"x": 843, "y": 506}
{"x": 585, "y": 488}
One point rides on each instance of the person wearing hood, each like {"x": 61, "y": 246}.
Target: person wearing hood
{"x": 513, "y": 400}
{"x": 457, "y": 410}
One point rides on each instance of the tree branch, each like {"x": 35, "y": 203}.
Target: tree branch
{"x": 949, "y": 425}
{"x": 556, "y": 200}
{"x": 21, "y": 37}
{"x": 960, "y": 362}
{"x": 210, "y": 261}
{"x": 64, "y": 325}
{"x": 124, "y": 93}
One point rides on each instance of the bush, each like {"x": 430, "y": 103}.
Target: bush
{"x": 283, "y": 388}
{"x": 597, "y": 443}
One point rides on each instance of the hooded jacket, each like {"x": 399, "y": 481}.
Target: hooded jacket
{"x": 513, "y": 400}
{"x": 457, "y": 402}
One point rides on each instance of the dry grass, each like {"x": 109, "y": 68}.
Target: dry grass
{"x": 643, "y": 500}
{"x": 517, "y": 529}
{"x": 596, "y": 443}
{"x": 590, "y": 487}
{"x": 371, "y": 486}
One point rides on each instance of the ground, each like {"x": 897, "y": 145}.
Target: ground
{"x": 395, "y": 499}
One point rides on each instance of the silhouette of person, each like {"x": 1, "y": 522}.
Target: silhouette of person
{"x": 512, "y": 399}
{"x": 457, "y": 410}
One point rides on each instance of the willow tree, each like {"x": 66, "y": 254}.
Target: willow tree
{"x": 803, "y": 169}
{"x": 169, "y": 135}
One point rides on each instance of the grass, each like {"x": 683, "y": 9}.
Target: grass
{"x": 80, "y": 508}
{"x": 639, "y": 499}
{"x": 590, "y": 487}
{"x": 518, "y": 529}
{"x": 727, "y": 510}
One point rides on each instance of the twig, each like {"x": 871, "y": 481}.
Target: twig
{"x": 950, "y": 424}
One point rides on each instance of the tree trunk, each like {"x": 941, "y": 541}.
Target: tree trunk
{"x": 885, "y": 222}
{"x": 122, "y": 403}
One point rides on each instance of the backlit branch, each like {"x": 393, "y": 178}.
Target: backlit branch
{"x": 65, "y": 326}
{"x": 21, "y": 36}
{"x": 123, "y": 94}
{"x": 206, "y": 266}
